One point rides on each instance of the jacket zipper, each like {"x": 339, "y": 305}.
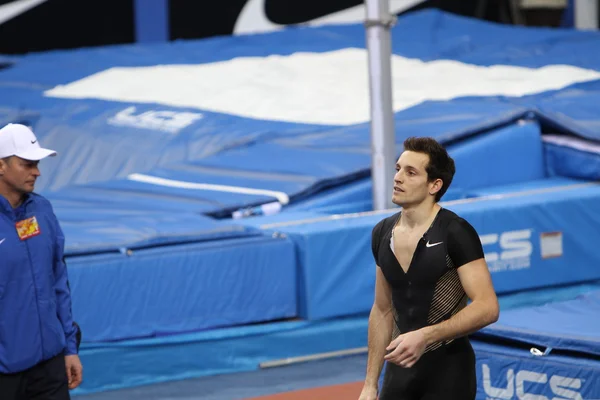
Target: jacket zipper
{"x": 35, "y": 289}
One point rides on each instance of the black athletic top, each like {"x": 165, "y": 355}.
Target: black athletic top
{"x": 431, "y": 291}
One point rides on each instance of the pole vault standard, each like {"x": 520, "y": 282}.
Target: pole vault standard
{"x": 383, "y": 143}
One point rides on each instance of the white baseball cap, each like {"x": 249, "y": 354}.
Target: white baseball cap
{"x": 18, "y": 140}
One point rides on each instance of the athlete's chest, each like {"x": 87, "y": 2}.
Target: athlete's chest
{"x": 418, "y": 257}
{"x": 404, "y": 245}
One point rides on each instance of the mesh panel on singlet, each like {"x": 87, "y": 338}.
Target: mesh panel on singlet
{"x": 448, "y": 299}
{"x": 395, "y": 331}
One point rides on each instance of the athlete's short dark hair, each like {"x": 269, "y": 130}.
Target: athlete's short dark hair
{"x": 440, "y": 166}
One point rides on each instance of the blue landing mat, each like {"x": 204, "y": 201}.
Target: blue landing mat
{"x": 564, "y": 326}
{"x": 183, "y": 288}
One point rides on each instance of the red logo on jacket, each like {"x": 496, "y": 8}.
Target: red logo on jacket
{"x": 28, "y": 228}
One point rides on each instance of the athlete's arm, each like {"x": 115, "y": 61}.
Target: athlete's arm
{"x": 381, "y": 320}
{"x": 482, "y": 311}
{"x": 465, "y": 250}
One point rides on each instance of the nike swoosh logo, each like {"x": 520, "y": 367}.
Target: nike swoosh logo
{"x": 433, "y": 244}
{"x": 16, "y": 8}
{"x": 2, "y": 241}
{"x": 254, "y": 19}
{"x": 33, "y": 141}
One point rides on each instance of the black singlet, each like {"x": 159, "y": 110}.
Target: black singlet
{"x": 429, "y": 293}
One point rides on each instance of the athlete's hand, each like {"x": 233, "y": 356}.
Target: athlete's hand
{"x": 74, "y": 370}
{"x": 368, "y": 393}
{"x": 406, "y": 349}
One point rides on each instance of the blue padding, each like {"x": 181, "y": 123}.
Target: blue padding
{"x": 570, "y": 325}
{"x": 541, "y": 296}
{"x": 152, "y": 197}
{"x": 133, "y": 232}
{"x": 568, "y": 161}
{"x": 297, "y": 161}
{"x": 305, "y": 163}
{"x": 332, "y": 256}
{"x": 527, "y": 224}
{"x": 123, "y": 197}
{"x": 572, "y": 109}
{"x": 483, "y": 152}
{"x": 511, "y": 373}
{"x": 183, "y": 288}
{"x": 289, "y": 217}
{"x": 537, "y": 185}
{"x": 337, "y": 267}
{"x": 84, "y": 136}
{"x": 482, "y": 161}
{"x": 6, "y": 61}
{"x": 358, "y": 192}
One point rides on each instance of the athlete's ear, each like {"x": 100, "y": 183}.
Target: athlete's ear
{"x": 3, "y": 165}
{"x": 435, "y": 186}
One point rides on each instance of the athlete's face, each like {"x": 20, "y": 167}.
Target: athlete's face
{"x": 19, "y": 175}
{"x": 411, "y": 185}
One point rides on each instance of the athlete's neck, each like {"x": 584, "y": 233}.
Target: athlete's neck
{"x": 418, "y": 215}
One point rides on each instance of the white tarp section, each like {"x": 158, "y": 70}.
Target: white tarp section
{"x": 322, "y": 88}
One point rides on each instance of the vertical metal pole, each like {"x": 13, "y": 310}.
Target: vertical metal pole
{"x": 383, "y": 146}
{"x": 586, "y": 14}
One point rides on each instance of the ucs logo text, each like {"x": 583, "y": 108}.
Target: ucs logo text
{"x": 160, "y": 120}
{"x": 520, "y": 385}
{"x": 515, "y": 249}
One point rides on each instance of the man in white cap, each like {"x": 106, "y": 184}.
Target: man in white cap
{"x": 38, "y": 337}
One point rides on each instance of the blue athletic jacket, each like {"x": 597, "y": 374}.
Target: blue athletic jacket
{"x": 35, "y": 301}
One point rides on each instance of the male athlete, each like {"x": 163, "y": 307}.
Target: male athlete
{"x": 430, "y": 262}
{"x": 38, "y": 338}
